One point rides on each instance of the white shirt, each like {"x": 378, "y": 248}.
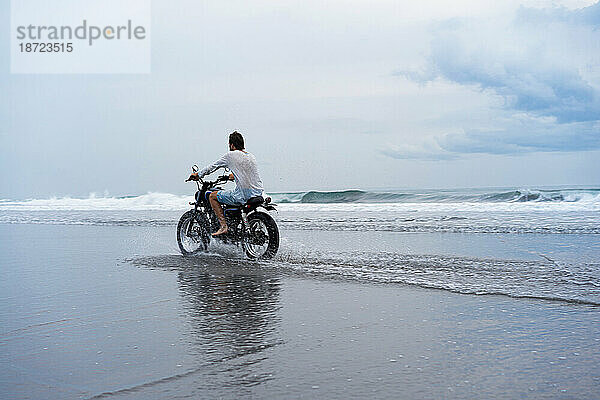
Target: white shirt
{"x": 243, "y": 167}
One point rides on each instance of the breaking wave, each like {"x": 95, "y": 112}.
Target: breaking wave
{"x": 440, "y": 196}
{"x": 149, "y": 201}
{"x": 168, "y": 201}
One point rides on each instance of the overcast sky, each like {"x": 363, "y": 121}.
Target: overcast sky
{"x": 329, "y": 95}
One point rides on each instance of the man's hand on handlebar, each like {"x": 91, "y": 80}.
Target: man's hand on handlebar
{"x": 193, "y": 177}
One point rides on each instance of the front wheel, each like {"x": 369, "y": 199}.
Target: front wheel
{"x": 261, "y": 239}
{"x": 192, "y": 233}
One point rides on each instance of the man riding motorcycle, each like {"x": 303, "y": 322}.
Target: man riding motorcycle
{"x": 245, "y": 173}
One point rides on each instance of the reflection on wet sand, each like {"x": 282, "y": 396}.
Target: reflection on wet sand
{"x": 232, "y": 311}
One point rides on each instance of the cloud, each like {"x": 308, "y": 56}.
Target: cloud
{"x": 516, "y": 134}
{"x": 427, "y": 150}
{"x": 523, "y": 134}
{"x": 543, "y": 63}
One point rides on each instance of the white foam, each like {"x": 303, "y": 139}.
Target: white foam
{"x": 575, "y": 201}
{"x": 149, "y": 201}
{"x": 450, "y": 208}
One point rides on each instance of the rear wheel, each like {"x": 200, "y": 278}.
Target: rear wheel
{"x": 192, "y": 233}
{"x": 261, "y": 240}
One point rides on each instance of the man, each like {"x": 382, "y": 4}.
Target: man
{"x": 245, "y": 173}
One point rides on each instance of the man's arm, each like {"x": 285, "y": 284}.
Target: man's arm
{"x": 221, "y": 162}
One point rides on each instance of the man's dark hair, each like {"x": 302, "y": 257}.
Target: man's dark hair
{"x": 236, "y": 139}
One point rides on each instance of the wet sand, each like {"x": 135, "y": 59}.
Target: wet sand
{"x": 114, "y": 312}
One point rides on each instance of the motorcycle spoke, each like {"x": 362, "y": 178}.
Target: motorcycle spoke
{"x": 191, "y": 236}
{"x": 258, "y": 241}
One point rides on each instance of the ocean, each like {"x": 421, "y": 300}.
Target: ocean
{"x": 491, "y": 293}
{"x": 554, "y": 234}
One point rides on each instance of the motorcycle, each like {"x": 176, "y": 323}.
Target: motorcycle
{"x": 252, "y": 229}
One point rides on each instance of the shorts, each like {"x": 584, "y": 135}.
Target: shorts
{"x": 236, "y": 197}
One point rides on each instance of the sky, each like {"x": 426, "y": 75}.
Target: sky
{"x": 328, "y": 95}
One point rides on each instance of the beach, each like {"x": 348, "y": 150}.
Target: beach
{"x": 111, "y": 310}
{"x": 432, "y": 169}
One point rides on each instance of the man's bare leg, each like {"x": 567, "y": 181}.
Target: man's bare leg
{"x": 216, "y": 206}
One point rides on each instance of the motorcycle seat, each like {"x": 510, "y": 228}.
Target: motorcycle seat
{"x": 254, "y": 201}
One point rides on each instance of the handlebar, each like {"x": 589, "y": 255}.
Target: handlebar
{"x": 194, "y": 177}
{"x": 224, "y": 178}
